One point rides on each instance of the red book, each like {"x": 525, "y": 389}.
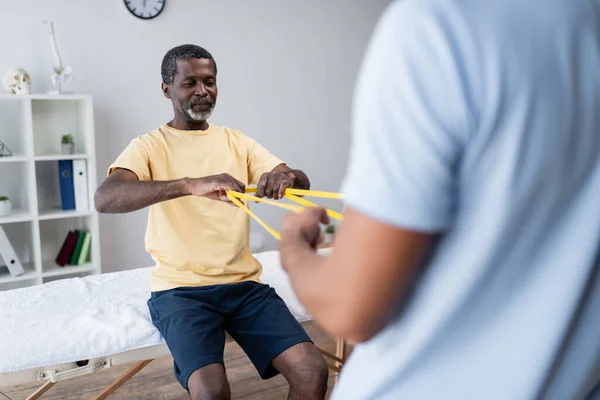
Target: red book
{"x": 67, "y": 248}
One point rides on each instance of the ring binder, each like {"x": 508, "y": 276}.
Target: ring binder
{"x": 9, "y": 256}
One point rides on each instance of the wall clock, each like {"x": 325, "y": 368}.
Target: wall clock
{"x": 145, "y": 9}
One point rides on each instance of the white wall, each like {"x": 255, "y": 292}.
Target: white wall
{"x": 286, "y": 75}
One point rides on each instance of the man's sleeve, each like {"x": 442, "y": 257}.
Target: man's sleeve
{"x": 260, "y": 160}
{"x": 134, "y": 158}
{"x": 410, "y": 123}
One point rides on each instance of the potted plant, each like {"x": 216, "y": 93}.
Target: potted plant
{"x": 329, "y": 233}
{"x": 67, "y": 145}
{"x": 5, "y": 205}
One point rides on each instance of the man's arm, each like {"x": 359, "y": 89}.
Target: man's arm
{"x": 123, "y": 192}
{"x": 272, "y": 184}
{"x": 355, "y": 291}
{"x": 407, "y": 143}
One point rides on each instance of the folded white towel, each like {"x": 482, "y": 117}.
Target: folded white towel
{"x": 96, "y": 316}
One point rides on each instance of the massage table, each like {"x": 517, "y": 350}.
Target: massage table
{"x": 73, "y": 327}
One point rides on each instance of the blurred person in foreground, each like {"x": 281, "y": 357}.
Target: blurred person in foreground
{"x": 467, "y": 265}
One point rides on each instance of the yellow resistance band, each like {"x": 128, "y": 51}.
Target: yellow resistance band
{"x": 291, "y": 194}
{"x": 308, "y": 193}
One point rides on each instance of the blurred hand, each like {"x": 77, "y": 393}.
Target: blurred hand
{"x": 304, "y": 227}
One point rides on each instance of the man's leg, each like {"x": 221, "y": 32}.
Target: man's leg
{"x": 305, "y": 370}
{"x": 275, "y": 342}
{"x": 192, "y": 324}
{"x": 208, "y": 383}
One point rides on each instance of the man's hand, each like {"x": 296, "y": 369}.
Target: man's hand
{"x": 272, "y": 184}
{"x": 354, "y": 291}
{"x": 214, "y": 187}
{"x": 302, "y": 229}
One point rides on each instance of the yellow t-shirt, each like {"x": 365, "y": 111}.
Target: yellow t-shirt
{"x": 193, "y": 240}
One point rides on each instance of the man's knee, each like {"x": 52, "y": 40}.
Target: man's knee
{"x": 209, "y": 383}
{"x": 318, "y": 373}
{"x": 310, "y": 374}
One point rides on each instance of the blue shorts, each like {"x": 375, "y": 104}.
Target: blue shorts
{"x": 193, "y": 322}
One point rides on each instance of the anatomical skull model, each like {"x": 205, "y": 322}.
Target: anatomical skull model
{"x": 17, "y": 81}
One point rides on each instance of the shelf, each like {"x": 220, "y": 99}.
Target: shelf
{"x": 59, "y": 214}
{"x": 30, "y": 273}
{"x": 16, "y": 215}
{"x": 14, "y": 158}
{"x": 33, "y": 127}
{"x": 54, "y": 157}
{"x": 41, "y": 96}
{"x": 67, "y": 269}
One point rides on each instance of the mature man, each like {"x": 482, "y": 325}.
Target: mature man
{"x": 206, "y": 280}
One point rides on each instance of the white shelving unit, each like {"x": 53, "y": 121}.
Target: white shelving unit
{"x": 31, "y": 126}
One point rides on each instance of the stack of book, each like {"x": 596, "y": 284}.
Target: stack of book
{"x": 75, "y": 249}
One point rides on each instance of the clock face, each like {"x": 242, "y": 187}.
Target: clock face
{"x": 145, "y": 9}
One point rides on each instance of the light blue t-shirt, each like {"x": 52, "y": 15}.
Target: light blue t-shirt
{"x": 480, "y": 120}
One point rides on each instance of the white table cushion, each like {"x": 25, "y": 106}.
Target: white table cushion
{"x": 96, "y": 316}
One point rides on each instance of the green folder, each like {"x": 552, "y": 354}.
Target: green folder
{"x": 85, "y": 248}
{"x": 75, "y": 256}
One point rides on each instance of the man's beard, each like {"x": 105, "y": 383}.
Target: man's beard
{"x": 198, "y": 116}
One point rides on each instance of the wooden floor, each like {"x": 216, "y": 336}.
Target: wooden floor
{"x": 157, "y": 381}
